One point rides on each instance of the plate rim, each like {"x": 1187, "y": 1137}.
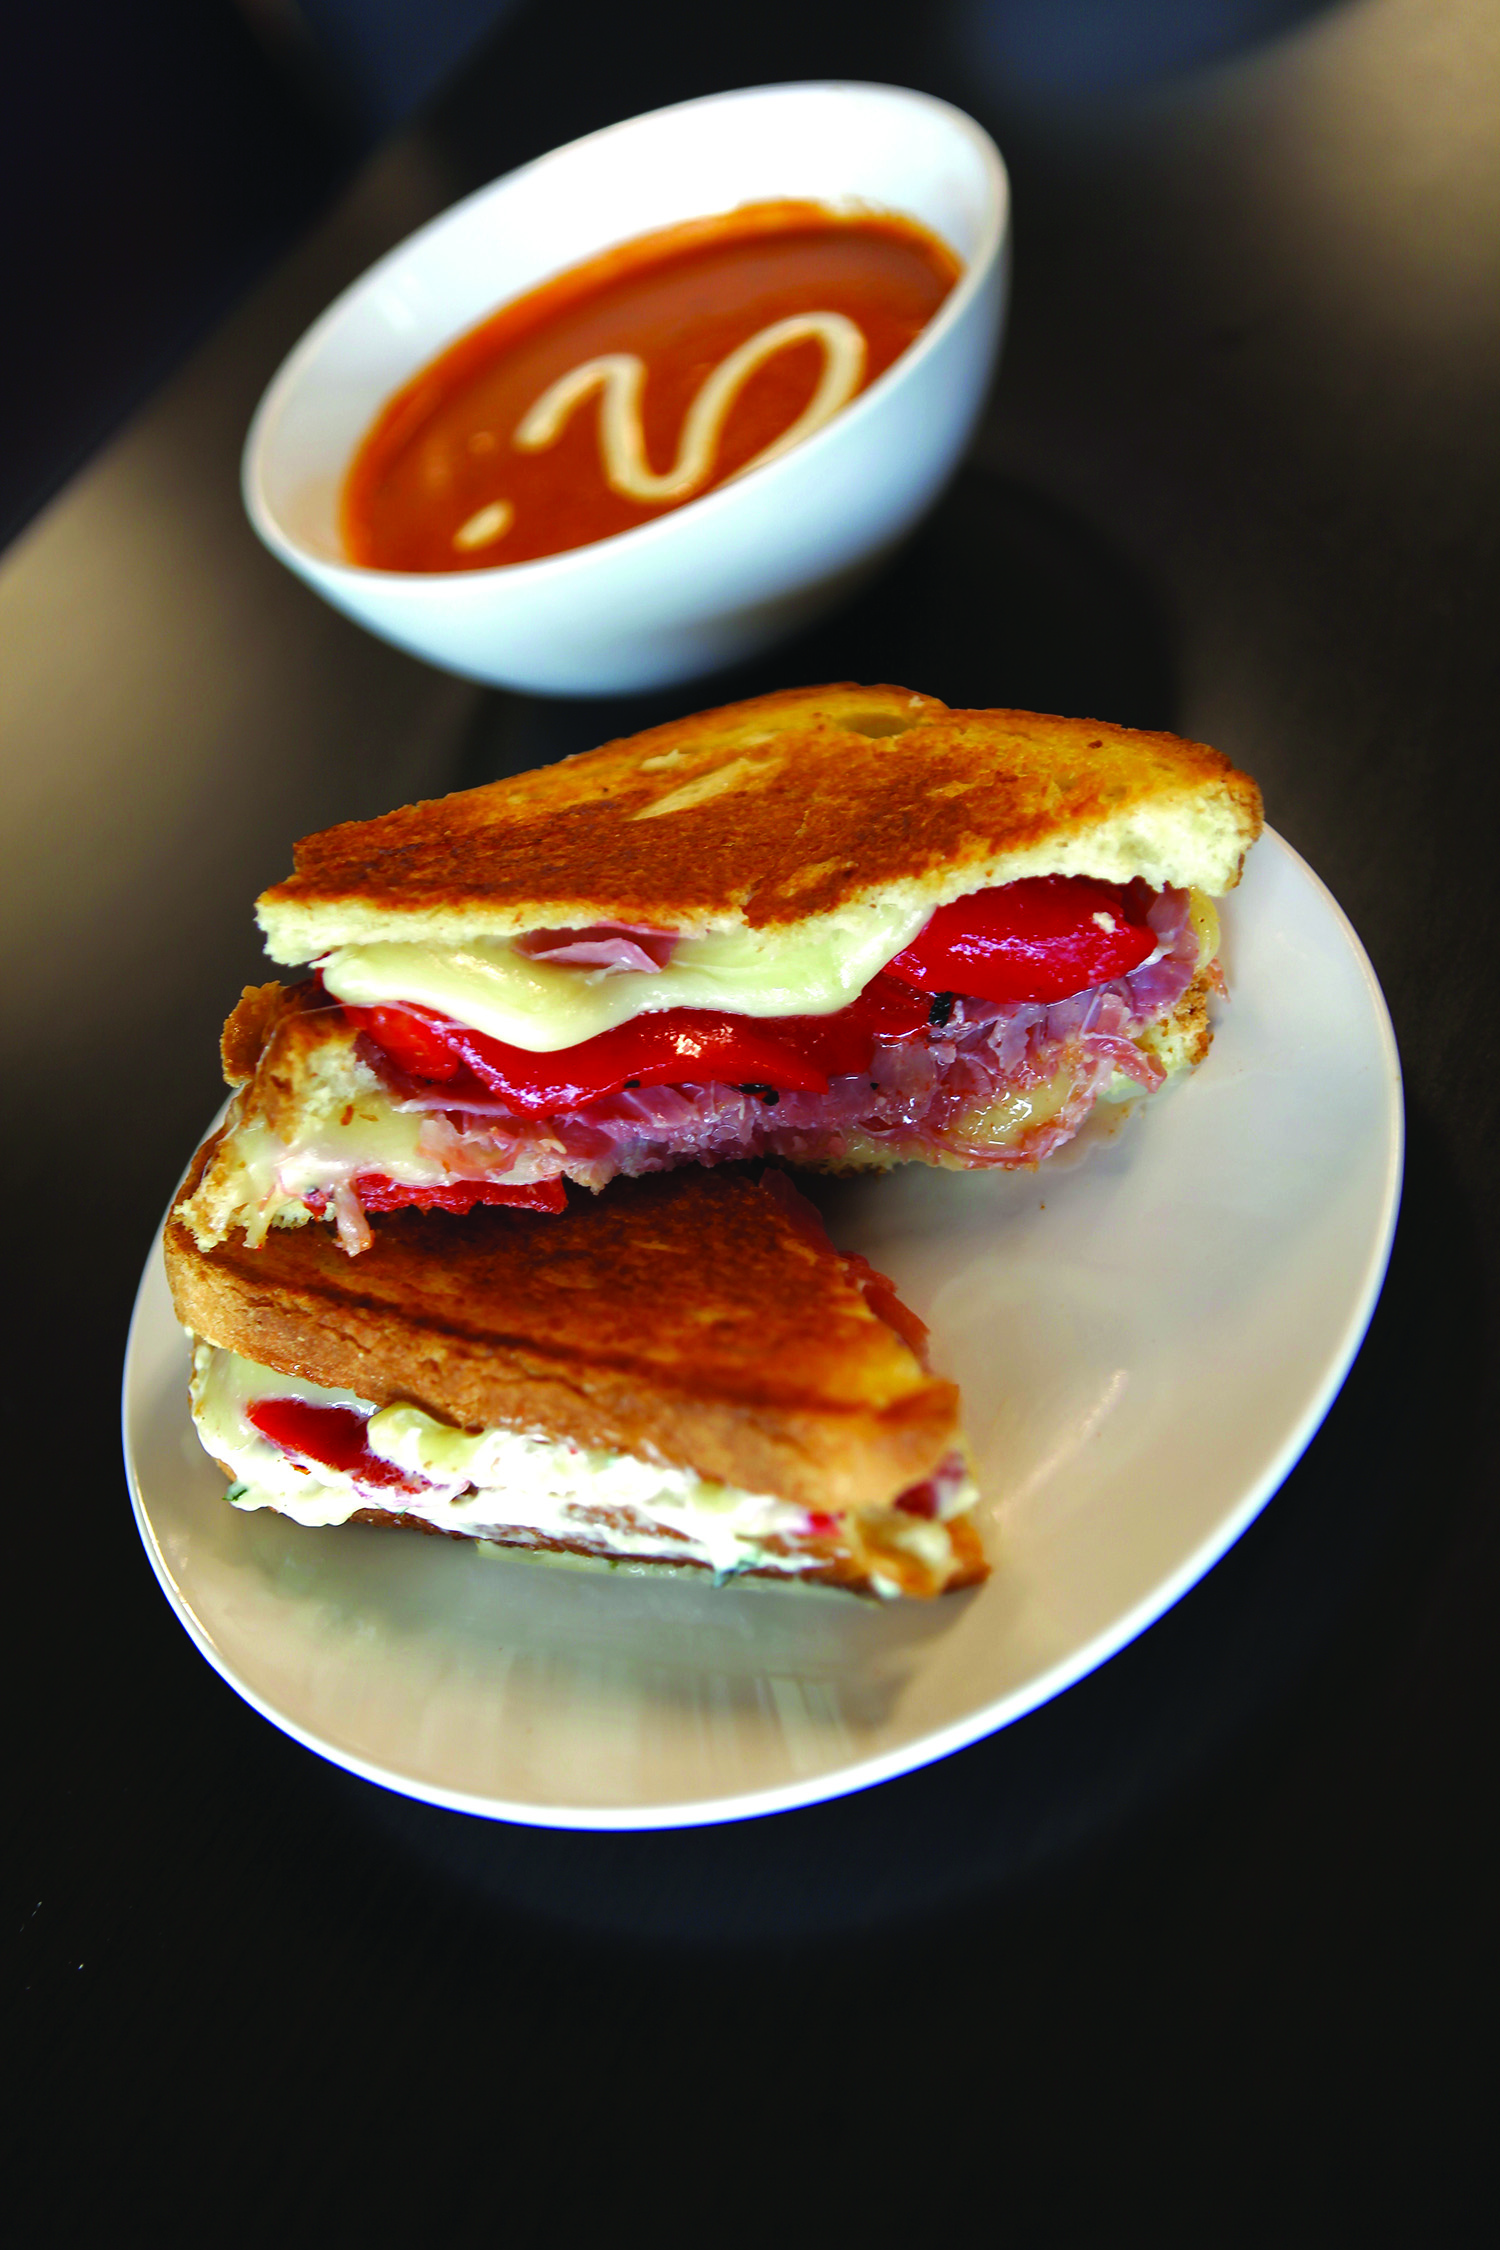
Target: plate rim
{"x": 958, "y": 1734}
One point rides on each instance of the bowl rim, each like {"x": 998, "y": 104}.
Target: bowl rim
{"x": 430, "y": 585}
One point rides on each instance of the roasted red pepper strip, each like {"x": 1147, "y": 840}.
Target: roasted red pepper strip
{"x": 920, "y": 1499}
{"x": 676, "y": 1046}
{"x": 333, "y": 1436}
{"x": 1043, "y": 938}
{"x": 374, "y": 1192}
{"x": 413, "y": 1041}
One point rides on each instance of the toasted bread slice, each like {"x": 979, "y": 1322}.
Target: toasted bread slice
{"x": 692, "y": 1318}
{"x": 777, "y": 811}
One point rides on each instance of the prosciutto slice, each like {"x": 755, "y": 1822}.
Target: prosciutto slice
{"x": 607, "y": 945}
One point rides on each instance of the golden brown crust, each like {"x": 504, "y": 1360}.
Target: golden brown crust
{"x": 685, "y": 1317}
{"x": 773, "y": 811}
{"x": 249, "y": 1030}
{"x": 268, "y": 1042}
{"x": 1180, "y": 1040}
{"x": 267, "y": 1038}
{"x": 1190, "y": 1021}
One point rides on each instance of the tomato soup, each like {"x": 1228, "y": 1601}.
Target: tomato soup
{"x": 633, "y": 384}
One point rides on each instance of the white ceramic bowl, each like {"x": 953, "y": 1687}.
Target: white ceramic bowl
{"x": 726, "y": 575}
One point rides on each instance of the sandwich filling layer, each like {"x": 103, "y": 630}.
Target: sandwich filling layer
{"x": 358, "y": 1106}
{"x": 324, "y": 1456}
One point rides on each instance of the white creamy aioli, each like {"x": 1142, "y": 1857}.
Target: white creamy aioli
{"x": 620, "y": 379}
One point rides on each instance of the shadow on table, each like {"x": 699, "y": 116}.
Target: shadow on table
{"x": 1168, "y": 1715}
{"x": 1001, "y": 598}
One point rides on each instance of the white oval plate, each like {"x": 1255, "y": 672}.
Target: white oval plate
{"x": 1148, "y": 1332}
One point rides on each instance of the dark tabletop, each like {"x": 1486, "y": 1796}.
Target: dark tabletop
{"x": 1205, "y": 1940}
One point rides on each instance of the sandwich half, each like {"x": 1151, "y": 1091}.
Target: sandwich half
{"x": 845, "y": 927}
{"x": 681, "y": 1372}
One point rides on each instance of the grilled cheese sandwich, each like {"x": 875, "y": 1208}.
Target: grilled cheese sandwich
{"x": 493, "y": 1377}
{"x": 843, "y": 927}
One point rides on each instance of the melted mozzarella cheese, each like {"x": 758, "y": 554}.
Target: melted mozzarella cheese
{"x": 544, "y": 1006}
